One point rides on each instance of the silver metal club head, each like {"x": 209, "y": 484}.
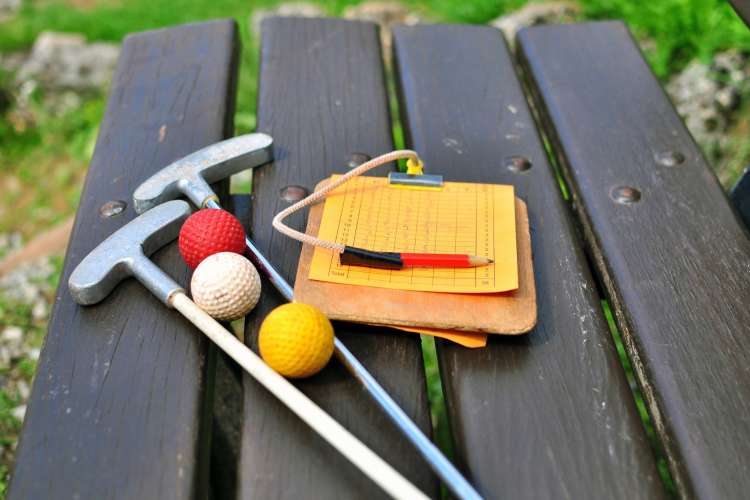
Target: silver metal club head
{"x": 191, "y": 175}
{"x": 125, "y": 253}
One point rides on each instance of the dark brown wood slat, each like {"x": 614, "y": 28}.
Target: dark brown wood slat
{"x": 675, "y": 263}
{"x": 740, "y": 197}
{"x": 549, "y": 414}
{"x": 121, "y": 387}
{"x": 228, "y": 396}
{"x": 322, "y": 97}
{"x": 742, "y": 7}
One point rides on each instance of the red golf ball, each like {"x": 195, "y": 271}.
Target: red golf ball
{"x": 210, "y": 231}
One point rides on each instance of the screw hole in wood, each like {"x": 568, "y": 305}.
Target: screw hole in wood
{"x": 293, "y": 194}
{"x": 356, "y": 159}
{"x": 517, "y": 164}
{"x": 625, "y": 195}
{"x": 112, "y": 208}
{"x": 670, "y": 158}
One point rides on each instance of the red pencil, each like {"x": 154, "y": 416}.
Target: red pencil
{"x": 353, "y": 256}
{"x": 443, "y": 260}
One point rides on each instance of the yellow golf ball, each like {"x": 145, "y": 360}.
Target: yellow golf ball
{"x": 296, "y": 340}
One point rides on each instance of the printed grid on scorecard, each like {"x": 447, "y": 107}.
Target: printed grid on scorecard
{"x": 464, "y": 218}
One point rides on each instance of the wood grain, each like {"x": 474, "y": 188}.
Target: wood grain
{"x": 548, "y": 414}
{"x": 510, "y": 313}
{"x": 322, "y": 98}
{"x": 121, "y": 386}
{"x": 675, "y": 263}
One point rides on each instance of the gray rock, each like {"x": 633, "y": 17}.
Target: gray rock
{"x": 11, "y": 344}
{"x": 29, "y": 283}
{"x": 290, "y": 9}
{"x": 19, "y": 412}
{"x": 385, "y": 14}
{"x": 12, "y": 334}
{"x": 5, "y": 356}
{"x": 61, "y": 61}
{"x": 709, "y": 97}
{"x": 12, "y": 61}
{"x": 24, "y": 390}
{"x": 40, "y": 310}
{"x": 536, "y": 13}
{"x": 8, "y": 8}
{"x": 59, "y": 103}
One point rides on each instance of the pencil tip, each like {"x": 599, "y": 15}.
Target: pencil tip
{"x": 490, "y": 261}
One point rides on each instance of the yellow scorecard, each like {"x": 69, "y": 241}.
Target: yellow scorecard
{"x": 466, "y": 218}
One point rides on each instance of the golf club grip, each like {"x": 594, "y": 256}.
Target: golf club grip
{"x": 374, "y": 467}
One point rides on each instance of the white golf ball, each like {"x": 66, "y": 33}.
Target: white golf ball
{"x": 226, "y": 285}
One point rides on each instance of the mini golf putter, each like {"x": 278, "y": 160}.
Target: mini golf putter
{"x": 125, "y": 253}
{"x": 189, "y": 176}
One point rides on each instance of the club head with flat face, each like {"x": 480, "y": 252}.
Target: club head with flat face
{"x": 190, "y": 176}
{"x": 125, "y": 253}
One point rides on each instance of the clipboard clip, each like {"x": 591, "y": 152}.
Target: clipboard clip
{"x": 414, "y": 177}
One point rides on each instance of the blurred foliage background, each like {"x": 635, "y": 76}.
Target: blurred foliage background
{"x": 43, "y": 159}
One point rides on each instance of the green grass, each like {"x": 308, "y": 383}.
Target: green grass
{"x": 13, "y": 313}
{"x": 56, "y": 149}
{"x": 661, "y": 460}
{"x": 435, "y": 394}
{"x": 679, "y": 30}
{"x": 441, "y": 434}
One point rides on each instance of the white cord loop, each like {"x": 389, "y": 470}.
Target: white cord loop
{"x": 279, "y": 225}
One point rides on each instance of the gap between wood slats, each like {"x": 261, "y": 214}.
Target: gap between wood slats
{"x": 320, "y": 111}
{"x": 441, "y": 434}
{"x": 693, "y": 471}
{"x": 446, "y": 107}
{"x": 628, "y": 365}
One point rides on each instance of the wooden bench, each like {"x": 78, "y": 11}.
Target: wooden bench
{"x": 121, "y": 406}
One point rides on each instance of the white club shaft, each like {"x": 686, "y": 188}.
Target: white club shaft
{"x": 347, "y": 444}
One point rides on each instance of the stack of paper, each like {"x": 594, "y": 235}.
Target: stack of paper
{"x": 461, "y": 304}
